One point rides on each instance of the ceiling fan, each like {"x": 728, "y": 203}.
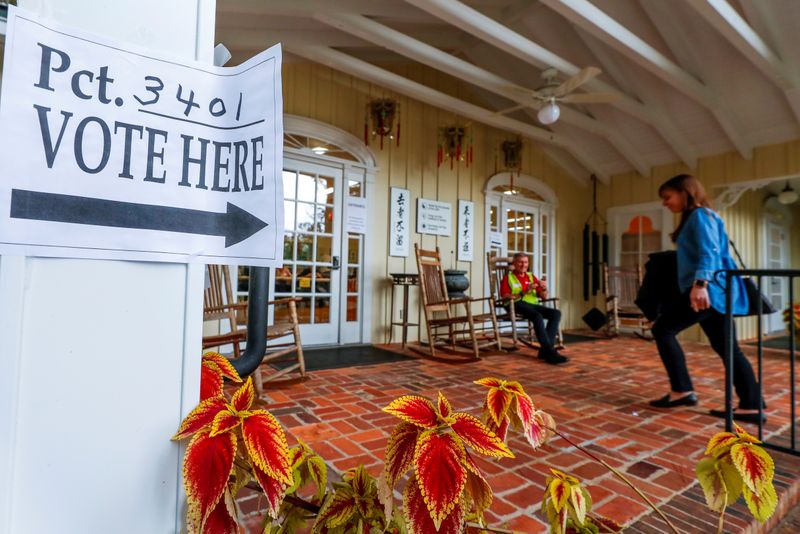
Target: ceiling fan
{"x": 546, "y": 97}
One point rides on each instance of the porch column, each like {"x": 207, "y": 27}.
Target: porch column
{"x": 100, "y": 360}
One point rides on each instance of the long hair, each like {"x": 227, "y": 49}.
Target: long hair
{"x": 696, "y": 197}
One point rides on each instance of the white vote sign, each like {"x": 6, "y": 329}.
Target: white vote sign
{"x": 111, "y": 152}
{"x": 434, "y": 217}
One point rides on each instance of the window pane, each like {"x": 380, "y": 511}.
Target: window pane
{"x": 352, "y": 308}
{"x": 322, "y": 311}
{"x": 288, "y": 247}
{"x": 325, "y": 190}
{"x": 283, "y": 279}
{"x": 324, "y": 249}
{"x": 243, "y": 282}
{"x": 303, "y": 310}
{"x": 353, "y": 245}
{"x": 354, "y": 188}
{"x": 288, "y": 215}
{"x": 305, "y": 217}
{"x": 289, "y": 178}
{"x": 352, "y": 279}
{"x": 493, "y": 217}
{"x": 306, "y": 187}
{"x": 304, "y": 281}
{"x": 323, "y": 275}
{"x": 324, "y": 220}
{"x": 305, "y": 245}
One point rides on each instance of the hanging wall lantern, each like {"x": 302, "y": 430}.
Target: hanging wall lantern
{"x": 512, "y": 160}
{"x": 455, "y": 144}
{"x": 382, "y": 112}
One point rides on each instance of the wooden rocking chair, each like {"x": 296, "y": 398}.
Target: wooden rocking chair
{"x": 219, "y": 305}
{"x": 621, "y": 286}
{"x": 499, "y": 267}
{"x": 447, "y": 328}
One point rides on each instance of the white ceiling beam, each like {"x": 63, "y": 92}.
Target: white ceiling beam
{"x": 738, "y": 32}
{"x": 519, "y": 46}
{"x": 667, "y": 129}
{"x": 367, "y": 71}
{"x": 587, "y": 16}
{"x": 248, "y": 39}
{"x": 301, "y": 8}
{"x": 418, "y": 51}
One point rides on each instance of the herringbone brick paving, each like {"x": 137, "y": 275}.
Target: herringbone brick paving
{"x": 599, "y": 399}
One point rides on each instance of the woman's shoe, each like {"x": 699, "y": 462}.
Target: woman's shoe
{"x": 743, "y": 417}
{"x": 665, "y": 402}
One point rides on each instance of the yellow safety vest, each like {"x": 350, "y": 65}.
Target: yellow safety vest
{"x": 516, "y": 288}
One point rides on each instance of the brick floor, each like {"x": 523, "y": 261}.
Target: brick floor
{"x": 599, "y": 399}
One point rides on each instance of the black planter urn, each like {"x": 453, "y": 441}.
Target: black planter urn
{"x": 456, "y": 282}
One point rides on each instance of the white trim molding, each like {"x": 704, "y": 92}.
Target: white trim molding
{"x": 294, "y": 124}
{"x": 523, "y": 180}
{"x": 727, "y": 195}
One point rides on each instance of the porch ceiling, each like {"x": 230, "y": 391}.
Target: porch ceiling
{"x": 697, "y": 77}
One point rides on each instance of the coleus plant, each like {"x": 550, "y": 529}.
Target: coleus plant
{"x": 230, "y": 441}
{"x": 734, "y": 465}
{"x": 446, "y": 484}
{"x": 566, "y": 501}
{"x": 790, "y": 314}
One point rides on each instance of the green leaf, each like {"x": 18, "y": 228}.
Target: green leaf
{"x": 713, "y": 485}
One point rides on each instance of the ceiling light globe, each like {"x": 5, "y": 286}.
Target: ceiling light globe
{"x": 549, "y": 113}
{"x": 788, "y": 196}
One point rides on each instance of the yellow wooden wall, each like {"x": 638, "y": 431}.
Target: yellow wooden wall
{"x": 743, "y": 219}
{"x": 326, "y": 95}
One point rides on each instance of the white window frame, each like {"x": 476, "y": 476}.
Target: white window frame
{"x": 617, "y": 224}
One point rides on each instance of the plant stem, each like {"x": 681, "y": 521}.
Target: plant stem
{"x": 601, "y": 524}
{"x": 721, "y": 520}
{"x": 618, "y": 475}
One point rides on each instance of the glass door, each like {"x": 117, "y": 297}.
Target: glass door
{"x": 522, "y": 234}
{"x": 776, "y": 288}
{"x": 312, "y": 241}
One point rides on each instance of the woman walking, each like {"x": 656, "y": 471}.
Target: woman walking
{"x": 702, "y": 249}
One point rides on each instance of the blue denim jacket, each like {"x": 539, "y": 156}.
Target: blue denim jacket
{"x": 703, "y": 249}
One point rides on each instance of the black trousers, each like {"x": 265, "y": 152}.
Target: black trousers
{"x": 538, "y": 314}
{"x": 681, "y": 317}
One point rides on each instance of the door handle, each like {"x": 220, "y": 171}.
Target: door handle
{"x": 336, "y": 265}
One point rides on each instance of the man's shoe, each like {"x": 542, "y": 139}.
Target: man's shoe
{"x": 743, "y": 417}
{"x": 552, "y": 357}
{"x": 665, "y": 402}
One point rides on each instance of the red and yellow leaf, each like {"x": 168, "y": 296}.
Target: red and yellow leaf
{"x": 470, "y": 429}
{"x": 514, "y": 387}
{"x": 223, "y": 364}
{"x": 206, "y": 467}
{"x": 266, "y": 445}
{"x": 720, "y": 443}
{"x": 501, "y": 431}
{"x": 578, "y": 504}
{"x": 498, "y": 402}
{"x": 337, "y": 510}
{"x": 419, "y": 519}
{"x": 713, "y": 485}
{"x": 559, "y": 492}
{"x": 221, "y": 520}
{"x": 525, "y": 410}
{"x": 224, "y": 421}
{"x": 210, "y": 381}
{"x": 440, "y": 472}
{"x": 443, "y": 406}
{"x": 478, "y": 489}
{"x": 202, "y": 416}
{"x": 319, "y": 474}
{"x": 754, "y": 464}
{"x": 763, "y": 504}
{"x": 400, "y": 452}
{"x": 489, "y": 382}
{"x": 244, "y": 396}
{"x": 274, "y": 491}
{"x": 540, "y": 429}
{"x": 744, "y": 436}
{"x": 415, "y": 410}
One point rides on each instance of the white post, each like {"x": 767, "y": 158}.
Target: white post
{"x": 100, "y": 360}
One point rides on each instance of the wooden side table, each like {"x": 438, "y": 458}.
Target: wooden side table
{"x": 404, "y": 280}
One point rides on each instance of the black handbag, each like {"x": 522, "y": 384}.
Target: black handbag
{"x": 753, "y": 294}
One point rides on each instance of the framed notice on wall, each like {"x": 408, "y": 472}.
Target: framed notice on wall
{"x": 399, "y": 221}
{"x": 466, "y": 222}
{"x": 434, "y": 217}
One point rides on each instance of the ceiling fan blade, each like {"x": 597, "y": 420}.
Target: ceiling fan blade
{"x": 576, "y": 81}
{"x": 590, "y": 98}
{"x": 509, "y": 110}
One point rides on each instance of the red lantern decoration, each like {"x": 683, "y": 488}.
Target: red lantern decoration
{"x": 382, "y": 112}
{"x": 455, "y": 143}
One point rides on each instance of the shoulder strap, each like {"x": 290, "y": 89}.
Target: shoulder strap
{"x": 736, "y": 251}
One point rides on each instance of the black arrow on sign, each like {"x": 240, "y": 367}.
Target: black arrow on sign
{"x": 235, "y": 224}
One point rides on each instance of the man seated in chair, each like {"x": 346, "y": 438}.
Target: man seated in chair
{"x": 526, "y": 290}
